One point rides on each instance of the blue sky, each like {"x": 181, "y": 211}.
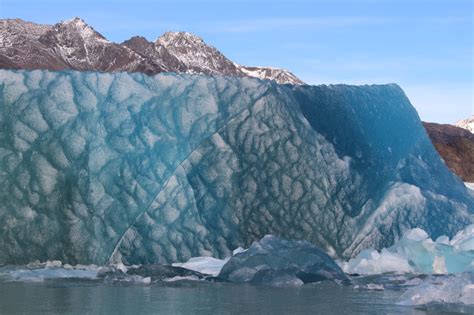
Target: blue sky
{"x": 426, "y": 46}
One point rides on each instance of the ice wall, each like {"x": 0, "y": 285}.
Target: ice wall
{"x": 99, "y": 167}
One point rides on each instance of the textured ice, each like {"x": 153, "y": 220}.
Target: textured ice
{"x": 278, "y": 262}
{"x": 100, "y": 167}
{"x": 415, "y": 252}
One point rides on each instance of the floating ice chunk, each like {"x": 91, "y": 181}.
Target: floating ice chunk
{"x": 180, "y": 278}
{"x": 416, "y": 252}
{"x": 277, "y": 262}
{"x": 370, "y": 286}
{"x": 442, "y": 289}
{"x": 373, "y": 262}
{"x": 146, "y": 280}
{"x": 205, "y": 265}
{"x": 416, "y": 234}
{"x": 128, "y": 279}
{"x": 467, "y": 295}
{"x": 121, "y": 267}
{"x": 38, "y": 272}
{"x": 238, "y": 250}
{"x": 439, "y": 265}
{"x": 156, "y": 273}
{"x": 464, "y": 239}
{"x": 275, "y": 278}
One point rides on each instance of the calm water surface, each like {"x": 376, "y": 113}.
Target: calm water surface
{"x": 95, "y": 297}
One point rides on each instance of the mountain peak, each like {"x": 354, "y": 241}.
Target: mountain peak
{"x": 78, "y": 25}
{"x": 196, "y": 55}
{"x": 178, "y": 38}
{"x": 73, "y": 44}
{"x": 76, "y": 20}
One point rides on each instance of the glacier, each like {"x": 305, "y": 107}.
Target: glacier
{"x": 100, "y": 168}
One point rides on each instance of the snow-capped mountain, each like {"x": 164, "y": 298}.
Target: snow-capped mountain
{"x": 20, "y": 46}
{"x": 196, "y": 55}
{"x": 72, "y": 44}
{"x": 467, "y": 124}
{"x": 269, "y": 73}
{"x": 159, "y": 59}
{"x": 80, "y": 47}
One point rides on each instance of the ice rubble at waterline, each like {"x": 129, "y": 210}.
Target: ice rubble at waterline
{"x": 275, "y": 262}
{"x": 416, "y": 252}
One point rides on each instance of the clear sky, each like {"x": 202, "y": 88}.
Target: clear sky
{"x": 426, "y": 46}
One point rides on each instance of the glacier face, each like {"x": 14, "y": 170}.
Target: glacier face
{"x": 99, "y": 167}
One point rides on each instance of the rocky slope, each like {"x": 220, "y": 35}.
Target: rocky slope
{"x": 73, "y": 44}
{"x": 456, "y": 147}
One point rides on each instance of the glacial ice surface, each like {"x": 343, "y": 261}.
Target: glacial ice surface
{"x": 277, "y": 262}
{"x": 415, "y": 252}
{"x": 102, "y": 168}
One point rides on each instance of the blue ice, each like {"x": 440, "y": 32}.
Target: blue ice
{"x": 102, "y": 168}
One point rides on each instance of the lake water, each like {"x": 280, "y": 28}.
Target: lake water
{"x": 82, "y": 296}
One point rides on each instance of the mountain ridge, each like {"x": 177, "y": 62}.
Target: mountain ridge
{"x": 73, "y": 44}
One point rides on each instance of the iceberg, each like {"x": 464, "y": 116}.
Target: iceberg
{"x": 100, "y": 168}
{"x": 277, "y": 262}
{"x": 415, "y": 252}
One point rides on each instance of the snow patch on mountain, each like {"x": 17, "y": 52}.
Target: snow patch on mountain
{"x": 467, "y": 124}
{"x": 278, "y": 75}
{"x": 196, "y": 54}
